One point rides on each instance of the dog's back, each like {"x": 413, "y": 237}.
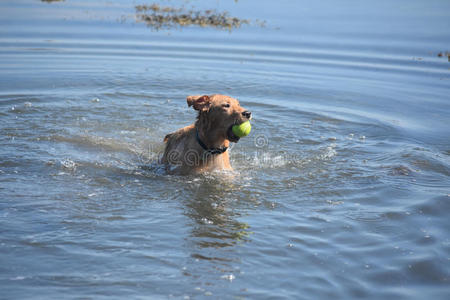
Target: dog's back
{"x": 176, "y": 143}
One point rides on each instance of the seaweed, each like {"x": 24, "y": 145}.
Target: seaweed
{"x": 161, "y": 17}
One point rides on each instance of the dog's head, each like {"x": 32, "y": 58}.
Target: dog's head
{"x": 220, "y": 113}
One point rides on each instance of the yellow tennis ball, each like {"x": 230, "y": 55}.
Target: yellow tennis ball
{"x": 242, "y": 129}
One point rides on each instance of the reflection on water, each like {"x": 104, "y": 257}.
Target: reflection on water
{"x": 341, "y": 189}
{"x": 210, "y": 207}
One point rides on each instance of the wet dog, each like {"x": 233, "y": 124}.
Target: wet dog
{"x": 202, "y": 146}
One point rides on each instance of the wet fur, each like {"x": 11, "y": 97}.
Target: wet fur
{"x": 184, "y": 155}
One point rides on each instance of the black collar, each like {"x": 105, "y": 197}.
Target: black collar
{"x": 210, "y": 150}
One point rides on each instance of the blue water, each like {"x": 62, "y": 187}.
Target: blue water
{"x": 341, "y": 190}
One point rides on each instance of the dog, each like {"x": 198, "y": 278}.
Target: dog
{"x": 203, "y": 146}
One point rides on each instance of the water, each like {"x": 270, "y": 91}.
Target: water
{"x": 341, "y": 190}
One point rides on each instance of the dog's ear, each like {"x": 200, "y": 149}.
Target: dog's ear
{"x": 200, "y": 103}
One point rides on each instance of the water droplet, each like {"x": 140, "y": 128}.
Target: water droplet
{"x": 206, "y": 221}
{"x": 68, "y": 164}
{"x": 229, "y": 277}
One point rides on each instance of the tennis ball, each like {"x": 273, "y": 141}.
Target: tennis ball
{"x": 242, "y": 129}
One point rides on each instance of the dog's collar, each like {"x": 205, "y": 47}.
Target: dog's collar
{"x": 212, "y": 151}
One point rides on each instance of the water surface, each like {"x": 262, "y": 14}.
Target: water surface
{"x": 341, "y": 190}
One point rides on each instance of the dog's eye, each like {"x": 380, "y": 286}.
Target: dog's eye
{"x": 226, "y": 105}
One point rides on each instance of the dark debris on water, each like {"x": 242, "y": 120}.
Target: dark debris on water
{"x": 446, "y": 54}
{"x": 160, "y": 17}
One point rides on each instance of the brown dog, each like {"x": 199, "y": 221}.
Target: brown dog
{"x": 202, "y": 146}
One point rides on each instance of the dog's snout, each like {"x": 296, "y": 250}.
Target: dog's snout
{"x": 247, "y": 114}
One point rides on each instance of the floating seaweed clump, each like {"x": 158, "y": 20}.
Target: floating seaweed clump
{"x": 159, "y": 17}
{"x": 157, "y": 8}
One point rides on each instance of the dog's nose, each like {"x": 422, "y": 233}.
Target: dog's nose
{"x": 247, "y": 114}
